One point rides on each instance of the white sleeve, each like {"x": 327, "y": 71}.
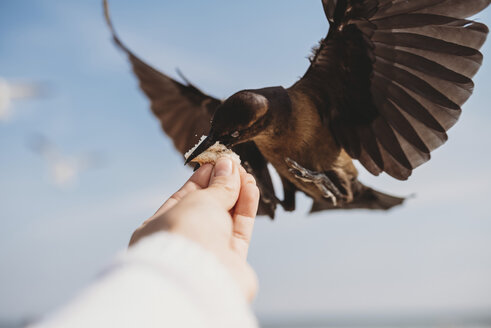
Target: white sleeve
{"x": 163, "y": 281}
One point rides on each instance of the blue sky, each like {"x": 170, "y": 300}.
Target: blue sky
{"x": 432, "y": 255}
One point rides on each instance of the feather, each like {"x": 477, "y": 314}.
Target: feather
{"x": 402, "y": 69}
{"x": 453, "y": 8}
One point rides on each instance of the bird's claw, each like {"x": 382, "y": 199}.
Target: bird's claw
{"x": 322, "y": 181}
{"x": 299, "y": 171}
{"x": 326, "y": 193}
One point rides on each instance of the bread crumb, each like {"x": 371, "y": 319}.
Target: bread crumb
{"x": 212, "y": 154}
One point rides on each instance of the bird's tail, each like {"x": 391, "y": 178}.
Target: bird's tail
{"x": 364, "y": 198}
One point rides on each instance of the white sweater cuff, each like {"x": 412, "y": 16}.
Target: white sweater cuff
{"x": 164, "y": 280}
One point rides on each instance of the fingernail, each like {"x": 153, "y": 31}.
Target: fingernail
{"x": 223, "y": 167}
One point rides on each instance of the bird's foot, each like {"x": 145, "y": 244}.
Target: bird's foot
{"x": 322, "y": 181}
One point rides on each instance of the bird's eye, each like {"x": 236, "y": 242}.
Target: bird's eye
{"x": 235, "y": 134}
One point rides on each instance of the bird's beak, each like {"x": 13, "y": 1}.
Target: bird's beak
{"x": 203, "y": 146}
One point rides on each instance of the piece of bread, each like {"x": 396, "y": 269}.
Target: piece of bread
{"x": 212, "y": 154}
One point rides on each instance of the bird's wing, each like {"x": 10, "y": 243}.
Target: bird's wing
{"x": 329, "y": 7}
{"x": 89, "y": 161}
{"x": 27, "y": 90}
{"x": 391, "y": 75}
{"x": 183, "y": 110}
{"x": 42, "y": 146}
{"x": 185, "y": 113}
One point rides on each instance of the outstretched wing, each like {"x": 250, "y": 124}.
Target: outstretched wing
{"x": 329, "y": 7}
{"x": 391, "y": 75}
{"x": 183, "y": 110}
{"x": 185, "y": 113}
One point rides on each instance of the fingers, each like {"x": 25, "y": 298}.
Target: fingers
{"x": 244, "y": 214}
{"x": 224, "y": 184}
{"x": 198, "y": 180}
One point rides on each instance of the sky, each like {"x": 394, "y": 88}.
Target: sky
{"x": 433, "y": 255}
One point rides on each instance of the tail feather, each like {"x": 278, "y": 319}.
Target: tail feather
{"x": 365, "y": 198}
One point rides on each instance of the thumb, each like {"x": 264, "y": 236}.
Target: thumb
{"x": 224, "y": 184}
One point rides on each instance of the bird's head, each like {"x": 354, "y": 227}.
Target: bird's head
{"x": 239, "y": 119}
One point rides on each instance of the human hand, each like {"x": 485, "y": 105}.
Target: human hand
{"x": 215, "y": 208}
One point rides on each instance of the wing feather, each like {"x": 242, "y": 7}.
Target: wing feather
{"x": 185, "y": 113}
{"x": 393, "y": 76}
{"x": 181, "y": 109}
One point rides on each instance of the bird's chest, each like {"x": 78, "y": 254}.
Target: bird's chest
{"x": 303, "y": 138}
{"x": 312, "y": 148}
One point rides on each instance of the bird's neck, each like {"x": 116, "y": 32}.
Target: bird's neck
{"x": 296, "y": 130}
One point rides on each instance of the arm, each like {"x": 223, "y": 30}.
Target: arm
{"x": 186, "y": 265}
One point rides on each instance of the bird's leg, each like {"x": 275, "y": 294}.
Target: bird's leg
{"x": 266, "y": 196}
{"x": 289, "y": 190}
{"x": 322, "y": 181}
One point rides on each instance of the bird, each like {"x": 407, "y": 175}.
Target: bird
{"x": 16, "y": 91}
{"x": 383, "y": 88}
{"x": 64, "y": 171}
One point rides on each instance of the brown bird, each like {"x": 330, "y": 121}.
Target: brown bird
{"x": 383, "y": 88}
